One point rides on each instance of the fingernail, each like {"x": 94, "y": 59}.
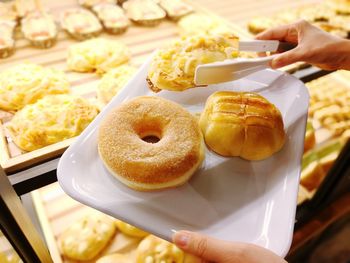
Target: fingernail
{"x": 181, "y": 239}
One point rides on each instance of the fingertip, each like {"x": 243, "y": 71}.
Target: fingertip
{"x": 181, "y": 238}
{"x": 260, "y": 36}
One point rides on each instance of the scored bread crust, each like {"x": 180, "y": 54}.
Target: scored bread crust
{"x": 146, "y": 166}
{"x": 242, "y": 124}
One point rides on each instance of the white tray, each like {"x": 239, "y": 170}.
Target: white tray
{"x": 228, "y": 198}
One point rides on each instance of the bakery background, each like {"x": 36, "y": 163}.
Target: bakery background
{"x": 328, "y": 126}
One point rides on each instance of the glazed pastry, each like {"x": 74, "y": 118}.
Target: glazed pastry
{"x": 113, "y": 18}
{"x": 201, "y": 24}
{"x": 7, "y": 43}
{"x": 242, "y": 124}
{"x": 40, "y": 29}
{"x": 92, "y": 3}
{"x": 80, "y": 23}
{"x": 130, "y": 230}
{"x": 115, "y": 258}
{"x": 175, "y": 8}
{"x": 86, "y": 238}
{"x": 26, "y": 83}
{"x": 156, "y": 250}
{"x": 97, "y": 54}
{"x": 113, "y": 81}
{"x": 150, "y": 143}
{"x": 310, "y": 139}
{"x": 144, "y": 12}
{"x": 173, "y": 67}
{"x": 52, "y": 119}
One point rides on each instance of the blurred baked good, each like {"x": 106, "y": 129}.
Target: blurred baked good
{"x": 261, "y": 23}
{"x": 130, "y": 230}
{"x": 303, "y": 194}
{"x": 156, "y": 250}
{"x": 310, "y": 139}
{"x": 341, "y": 22}
{"x": 319, "y": 15}
{"x": 317, "y": 162}
{"x": 127, "y": 152}
{"x": 329, "y": 102}
{"x": 97, "y": 54}
{"x": 10, "y": 257}
{"x": 115, "y": 258}
{"x": 26, "y": 83}
{"x": 8, "y": 11}
{"x": 113, "y": 81}
{"x": 7, "y": 42}
{"x": 144, "y": 12}
{"x": 242, "y": 124}
{"x": 315, "y": 13}
{"x": 202, "y": 24}
{"x": 40, "y": 29}
{"x": 51, "y": 119}
{"x": 173, "y": 67}
{"x": 92, "y": 3}
{"x": 175, "y": 8}
{"x": 87, "y": 237}
{"x": 341, "y": 7}
{"x": 80, "y": 23}
{"x": 112, "y": 17}
{"x": 25, "y": 7}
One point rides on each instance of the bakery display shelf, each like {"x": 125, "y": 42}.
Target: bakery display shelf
{"x": 140, "y": 40}
{"x": 329, "y": 106}
{"x": 56, "y": 211}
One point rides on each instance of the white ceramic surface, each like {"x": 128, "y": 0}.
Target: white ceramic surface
{"x": 228, "y": 198}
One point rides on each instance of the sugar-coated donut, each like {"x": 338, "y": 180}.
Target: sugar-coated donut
{"x": 149, "y": 166}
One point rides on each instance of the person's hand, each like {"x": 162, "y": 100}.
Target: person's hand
{"x": 314, "y": 46}
{"x": 212, "y": 250}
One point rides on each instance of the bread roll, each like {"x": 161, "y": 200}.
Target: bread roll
{"x": 242, "y": 124}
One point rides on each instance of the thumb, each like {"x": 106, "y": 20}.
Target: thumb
{"x": 204, "y": 247}
{"x": 288, "y": 57}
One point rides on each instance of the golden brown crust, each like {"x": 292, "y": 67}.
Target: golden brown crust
{"x": 133, "y": 160}
{"x": 242, "y": 124}
{"x": 151, "y": 86}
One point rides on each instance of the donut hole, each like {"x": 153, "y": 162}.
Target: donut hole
{"x": 150, "y": 131}
{"x": 151, "y": 139}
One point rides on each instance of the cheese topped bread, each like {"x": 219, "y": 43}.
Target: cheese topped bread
{"x": 97, "y": 54}
{"x": 26, "y": 83}
{"x": 113, "y": 81}
{"x": 51, "y": 119}
{"x": 173, "y": 67}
